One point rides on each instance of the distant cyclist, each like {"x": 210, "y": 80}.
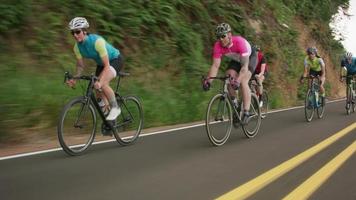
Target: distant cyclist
{"x": 261, "y": 71}
{"x": 242, "y": 65}
{"x": 316, "y": 67}
{"x": 107, "y": 58}
{"x": 348, "y": 64}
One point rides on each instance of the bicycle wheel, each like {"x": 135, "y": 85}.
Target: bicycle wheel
{"x": 348, "y": 100}
{"x": 218, "y": 120}
{"x": 129, "y": 123}
{"x": 265, "y": 106}
{"x": 254, "y": 121}
{"x": 321, "y": 108}
{"x": 309, "y": 106}
{"x": 76, "y": 126}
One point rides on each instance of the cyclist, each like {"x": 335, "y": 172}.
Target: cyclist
{"x": 316, "y": 67}
{"x": 107, "y": 58}
{"x": 260, "y": 72}
{"x": 348, "y": 64}
{"x": 242, "y": 65}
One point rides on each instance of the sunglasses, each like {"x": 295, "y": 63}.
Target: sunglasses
{"x": 76, "y": 32}
{"x": 222, "y": 36}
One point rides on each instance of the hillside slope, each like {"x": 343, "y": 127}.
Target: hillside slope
{"x": 167, "y": 47}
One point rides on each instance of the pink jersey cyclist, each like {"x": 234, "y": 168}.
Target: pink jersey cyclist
{"x": 240, "y": 47}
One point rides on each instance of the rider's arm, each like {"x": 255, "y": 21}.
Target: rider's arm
{"x": 100, "y": 48}
{"x": 214, "y": 68}
{"x": 244, "y": 60}
{"x": 322, "y": 64}
{"x": 80, "y": 62}
{"x": 305, "y": 73}
{"x": 263, "y": 66}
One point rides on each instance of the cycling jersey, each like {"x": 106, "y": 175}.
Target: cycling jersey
{"x": 261, "y": 60}
{"x": 239, "y": 48}
{"x": 351, "y": 68}
{"x": 314, "y": 64}
{"x": 95, "y": 47}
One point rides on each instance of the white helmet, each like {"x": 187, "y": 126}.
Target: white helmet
{"x": 348, "y": 55}
{"x": 78, "y": 23}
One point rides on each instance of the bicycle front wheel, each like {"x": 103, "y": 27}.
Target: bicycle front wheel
{"x": 76, "y": 126}
{"x": 254, "y": 122}
{"x": 218, "y": 120}
{"x": 265, "y": 106}
{"x": 129, "y": 124}
{"x": 309, "y": 106}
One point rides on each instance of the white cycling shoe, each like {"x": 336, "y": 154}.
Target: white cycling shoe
{"x": 114, "y": 112}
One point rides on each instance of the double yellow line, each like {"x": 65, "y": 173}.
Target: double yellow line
{"x": 310, "y": 185}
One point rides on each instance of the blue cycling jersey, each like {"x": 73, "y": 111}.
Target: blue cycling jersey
{"x": 351, "y": 67}
{"x": 95, "y": 47}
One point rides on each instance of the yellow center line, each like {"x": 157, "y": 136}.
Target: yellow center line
{"x": 309, "y": 186}
{"x": 249, "y": 188}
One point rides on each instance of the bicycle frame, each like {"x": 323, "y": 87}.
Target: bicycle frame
{"x": 225, "y": 92}
{"x": 314, "y": 87}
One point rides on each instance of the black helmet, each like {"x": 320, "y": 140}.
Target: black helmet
{"x": 222, "y": 29}
{"x": 312, "y": 50}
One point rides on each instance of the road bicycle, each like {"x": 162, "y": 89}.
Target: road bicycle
{"x": 263, "y": 100}
{"x": 77, "y": 123}
{"x": 350, "y": 94}
{"x": 222, "y": 113}
{"x": 313, "y": 100}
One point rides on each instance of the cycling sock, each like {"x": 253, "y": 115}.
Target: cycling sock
{"x": 113, "y": 102}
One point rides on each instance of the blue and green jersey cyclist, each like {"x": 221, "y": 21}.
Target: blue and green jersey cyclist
{"x": 348, "y": 68}
{"x": 107, "y": 58}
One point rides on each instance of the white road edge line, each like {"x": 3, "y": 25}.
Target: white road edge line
{"x": 143, "y": 134}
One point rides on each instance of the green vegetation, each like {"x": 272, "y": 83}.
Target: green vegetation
{"x": 166, "y": 45}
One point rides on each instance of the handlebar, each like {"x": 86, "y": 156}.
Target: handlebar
{"x": 68, "y": 76}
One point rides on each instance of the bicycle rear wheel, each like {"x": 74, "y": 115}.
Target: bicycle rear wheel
{"x": 309, "y": 106}
{"x": 254, "y": 121}
{"x": 265, "y": 106}
{"x": 129, "y": 123}
{"x": 349, "y": 105}
{"x": 76, "y": 126}
{"x": 218, "y": 120}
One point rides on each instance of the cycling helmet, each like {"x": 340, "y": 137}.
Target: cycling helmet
{"x": 222, "y": 29}
{"x": 312, "y": 50}
{"x": 78, "y": 23}
{"x": 257, "y": 47}
{"x": 348, "y": 55}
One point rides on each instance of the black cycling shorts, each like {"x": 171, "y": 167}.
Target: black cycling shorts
{"x": 314, "y": 73}
{"x": 116, "y": 63}
{"x": 251, "y": 64}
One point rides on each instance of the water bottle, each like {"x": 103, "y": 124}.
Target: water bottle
{"x": 102, "y": 106}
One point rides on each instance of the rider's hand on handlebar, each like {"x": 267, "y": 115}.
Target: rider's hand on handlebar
{"x": 206, "y": 84}
{"x": 301, "y": 80}
{"x": 71, "y": 83}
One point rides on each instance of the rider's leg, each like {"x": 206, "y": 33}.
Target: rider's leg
{"x": 232, "y": 91}
{"x": 107, "y": 76}
{"x": 245, "y": 89}
{"x": 260, "y": 80}
{"x": 322, "y": 89}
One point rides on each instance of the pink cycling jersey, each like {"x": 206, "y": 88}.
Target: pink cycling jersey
{"x": 239, "y": 48}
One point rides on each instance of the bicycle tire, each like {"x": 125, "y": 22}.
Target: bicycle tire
{"x": 321, "y": 109}
{"x": 130, "y": 122}
{"x": 309, "y": 106}
{"x": 217, "y": 118}
{"x": 348, "y": 100}
{"x": 252, "y": 127}
{"x": 69, "y": 139}
{"x": 265, "y": 106}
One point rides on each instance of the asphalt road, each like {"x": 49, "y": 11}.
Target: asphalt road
{"x": 184, "y": 165}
